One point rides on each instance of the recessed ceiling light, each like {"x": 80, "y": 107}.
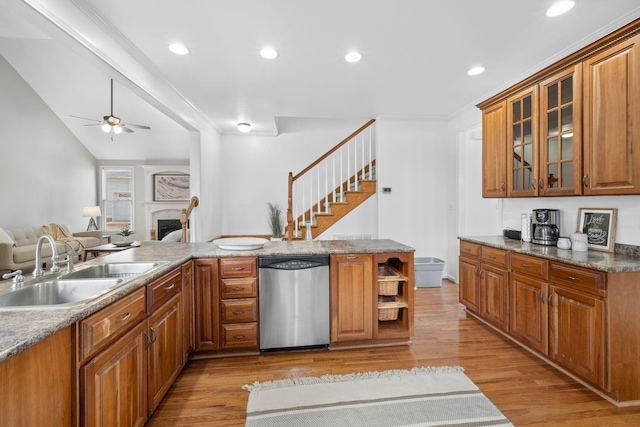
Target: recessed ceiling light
{"x": 475, "y": 71}
{"x": 269, "y": 53}
{"x": 178, "y": 49}
{"x": 244, "y": 127}
{"x": 560, "y": 7}
{"x": 353, "y": 57}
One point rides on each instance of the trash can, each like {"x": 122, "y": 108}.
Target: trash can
{"x": 428, "y": 272}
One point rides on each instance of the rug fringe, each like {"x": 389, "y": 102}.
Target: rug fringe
{"x": 290, "y": 382}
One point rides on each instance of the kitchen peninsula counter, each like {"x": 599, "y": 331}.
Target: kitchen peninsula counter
{"x": 602, "y": 261}
{"x": 20, "y": 329}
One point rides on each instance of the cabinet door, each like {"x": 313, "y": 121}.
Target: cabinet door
{"x": 206, "y": 302}
{"x": 561, "y": 133}
{"x": 528, "y": 316}
{"x": 188, "y": 328}
{"x": 113, "y": 385}
{"x": 612, "y": 120}
{"x": 494, "y": 149}
{"x": 522, "y": 143}
{"x": 351, "y": 297}
{"x": 469, "y": 287}
{"x": 577, "y": 334}
{"x": 494, "y": 296}
{"x": 165, "y": 351}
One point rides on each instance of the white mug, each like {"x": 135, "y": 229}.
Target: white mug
{"x": 564, "y": 243}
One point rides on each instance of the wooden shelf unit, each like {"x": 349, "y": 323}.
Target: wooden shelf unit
{"x": 394, "y": 267}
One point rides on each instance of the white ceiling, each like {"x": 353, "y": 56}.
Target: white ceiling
{"x": 415, "y": 57}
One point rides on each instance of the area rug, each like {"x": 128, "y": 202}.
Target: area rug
{"x": 428, "y": 396}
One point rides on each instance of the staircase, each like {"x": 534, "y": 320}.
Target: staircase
{"x": 314, "y": 196}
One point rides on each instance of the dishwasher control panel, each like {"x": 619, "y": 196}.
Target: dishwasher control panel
{"x": 293, "y": 263}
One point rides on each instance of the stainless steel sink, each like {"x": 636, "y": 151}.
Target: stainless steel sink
{"x": 112, "y": 270}
{"x": 58, "y": 293}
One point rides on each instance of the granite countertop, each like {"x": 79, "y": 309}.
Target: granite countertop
{"x": 603, "y": 261}
{"x": 20, "y": 329}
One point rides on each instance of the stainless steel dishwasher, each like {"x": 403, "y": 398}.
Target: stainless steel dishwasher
{"x": 294, "y": 301}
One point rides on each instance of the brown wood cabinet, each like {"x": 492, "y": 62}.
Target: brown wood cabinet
{"x": 569, "y": 129}
{"x": 188, "y": 328}
{"x": 494, "y": 150}
{"x": 166, "y": 349}
{"x": 114, "y": 383}
{"x": 612, "y": 120}
{"x": 581, "y": 320}
{"x": 206, "y": 302}
{"x": 36, "y": 384}
{"x": 484, "y": 282}
{"x": 129, "y": 354}
{"x": 239, "y": 304}
{"x": 351, "y": 297}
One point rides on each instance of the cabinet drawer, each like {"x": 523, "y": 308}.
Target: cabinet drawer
{"x": 240, "y": 335}
{"x": 163, "y": 289}
{"x": 239, "y": 288}
{"x": 238, "y": 267}
{"x": 239, "y": 311}
{"x": 496, "y": 256}
{"x": 579, "y": 278}
{"x": 102, "y": 327}
{"x": 470, "y": 249}
{"x": 531, "y": 266}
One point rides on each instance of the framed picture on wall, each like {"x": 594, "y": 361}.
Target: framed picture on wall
{"x": 171, "y": 187}
{"x": 600, "y": 227}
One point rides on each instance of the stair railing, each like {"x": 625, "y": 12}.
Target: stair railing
{"x": 184, "y": 216}
{"x": 325, "y": 180}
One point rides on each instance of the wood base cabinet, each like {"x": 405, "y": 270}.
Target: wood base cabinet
{"x": 581, "y": 320}
{"x": 206, "y": 300}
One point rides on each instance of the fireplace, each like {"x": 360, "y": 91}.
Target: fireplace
{"x": 166, "y": 226}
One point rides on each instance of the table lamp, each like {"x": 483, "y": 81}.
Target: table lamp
{"x": 91, "y": 211}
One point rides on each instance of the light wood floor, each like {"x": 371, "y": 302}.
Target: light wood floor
{"x": 526, "y": 390}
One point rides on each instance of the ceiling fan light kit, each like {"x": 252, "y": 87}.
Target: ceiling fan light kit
{"x": 111, "y": 123}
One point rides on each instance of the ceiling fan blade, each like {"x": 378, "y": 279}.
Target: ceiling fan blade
{"x": 95, "y": 124}
{"x": 138, "y": 126}
{"x": 84, "y": 118}
{"x": 125, "y": 128}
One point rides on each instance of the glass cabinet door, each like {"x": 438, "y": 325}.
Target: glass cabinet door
{"x": 522, "y": 138}
{"x": 560, "y": 126}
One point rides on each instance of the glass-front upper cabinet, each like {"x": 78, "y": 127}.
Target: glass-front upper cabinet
{"x": 522, "y": 143}
{"x": 560, "y": 134}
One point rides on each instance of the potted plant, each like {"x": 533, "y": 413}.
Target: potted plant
{"x": 275, "y": 221}
{"x": 125, "y": 232}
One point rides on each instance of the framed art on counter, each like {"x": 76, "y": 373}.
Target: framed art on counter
{"x": 599, "y": 224}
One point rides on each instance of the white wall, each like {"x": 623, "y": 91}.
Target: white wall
{"x": 46, "y": 174}
{"x": 207, "y": 183}
{"x": 413, "y": 161}
{"x": 256, "y": 168}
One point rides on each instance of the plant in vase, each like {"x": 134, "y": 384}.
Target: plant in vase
{"x": 126, "y": 233}
{"x": 275, "y": 221}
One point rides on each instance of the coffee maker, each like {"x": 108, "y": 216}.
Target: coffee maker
{"x": 545, "y": 226}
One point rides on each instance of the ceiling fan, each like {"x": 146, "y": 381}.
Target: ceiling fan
{"x": 112, "y": 124}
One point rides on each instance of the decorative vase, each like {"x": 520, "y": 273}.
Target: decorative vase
{"x": 276, "y": 239}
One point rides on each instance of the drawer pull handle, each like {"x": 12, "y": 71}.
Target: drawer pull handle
{"x": 124, "y": 318}
{"x": 352, "y": 257}
{"x": 237, "y": 268}
{"x": 550, "y": 299}
{"x": 572, "y": 278}
{"x": 237, "y": 289}
{"x": 522, "y": 264}
{"x": 171, "y": 286}
{"x": 238, "y": 312}
{"x": 492, "y": 257}
{"x": 238, "y": 337}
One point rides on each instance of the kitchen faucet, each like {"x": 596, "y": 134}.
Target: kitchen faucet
{"x": 38, "y": 271}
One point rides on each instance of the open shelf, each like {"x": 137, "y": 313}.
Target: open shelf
{"x": 394, "y": 297}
